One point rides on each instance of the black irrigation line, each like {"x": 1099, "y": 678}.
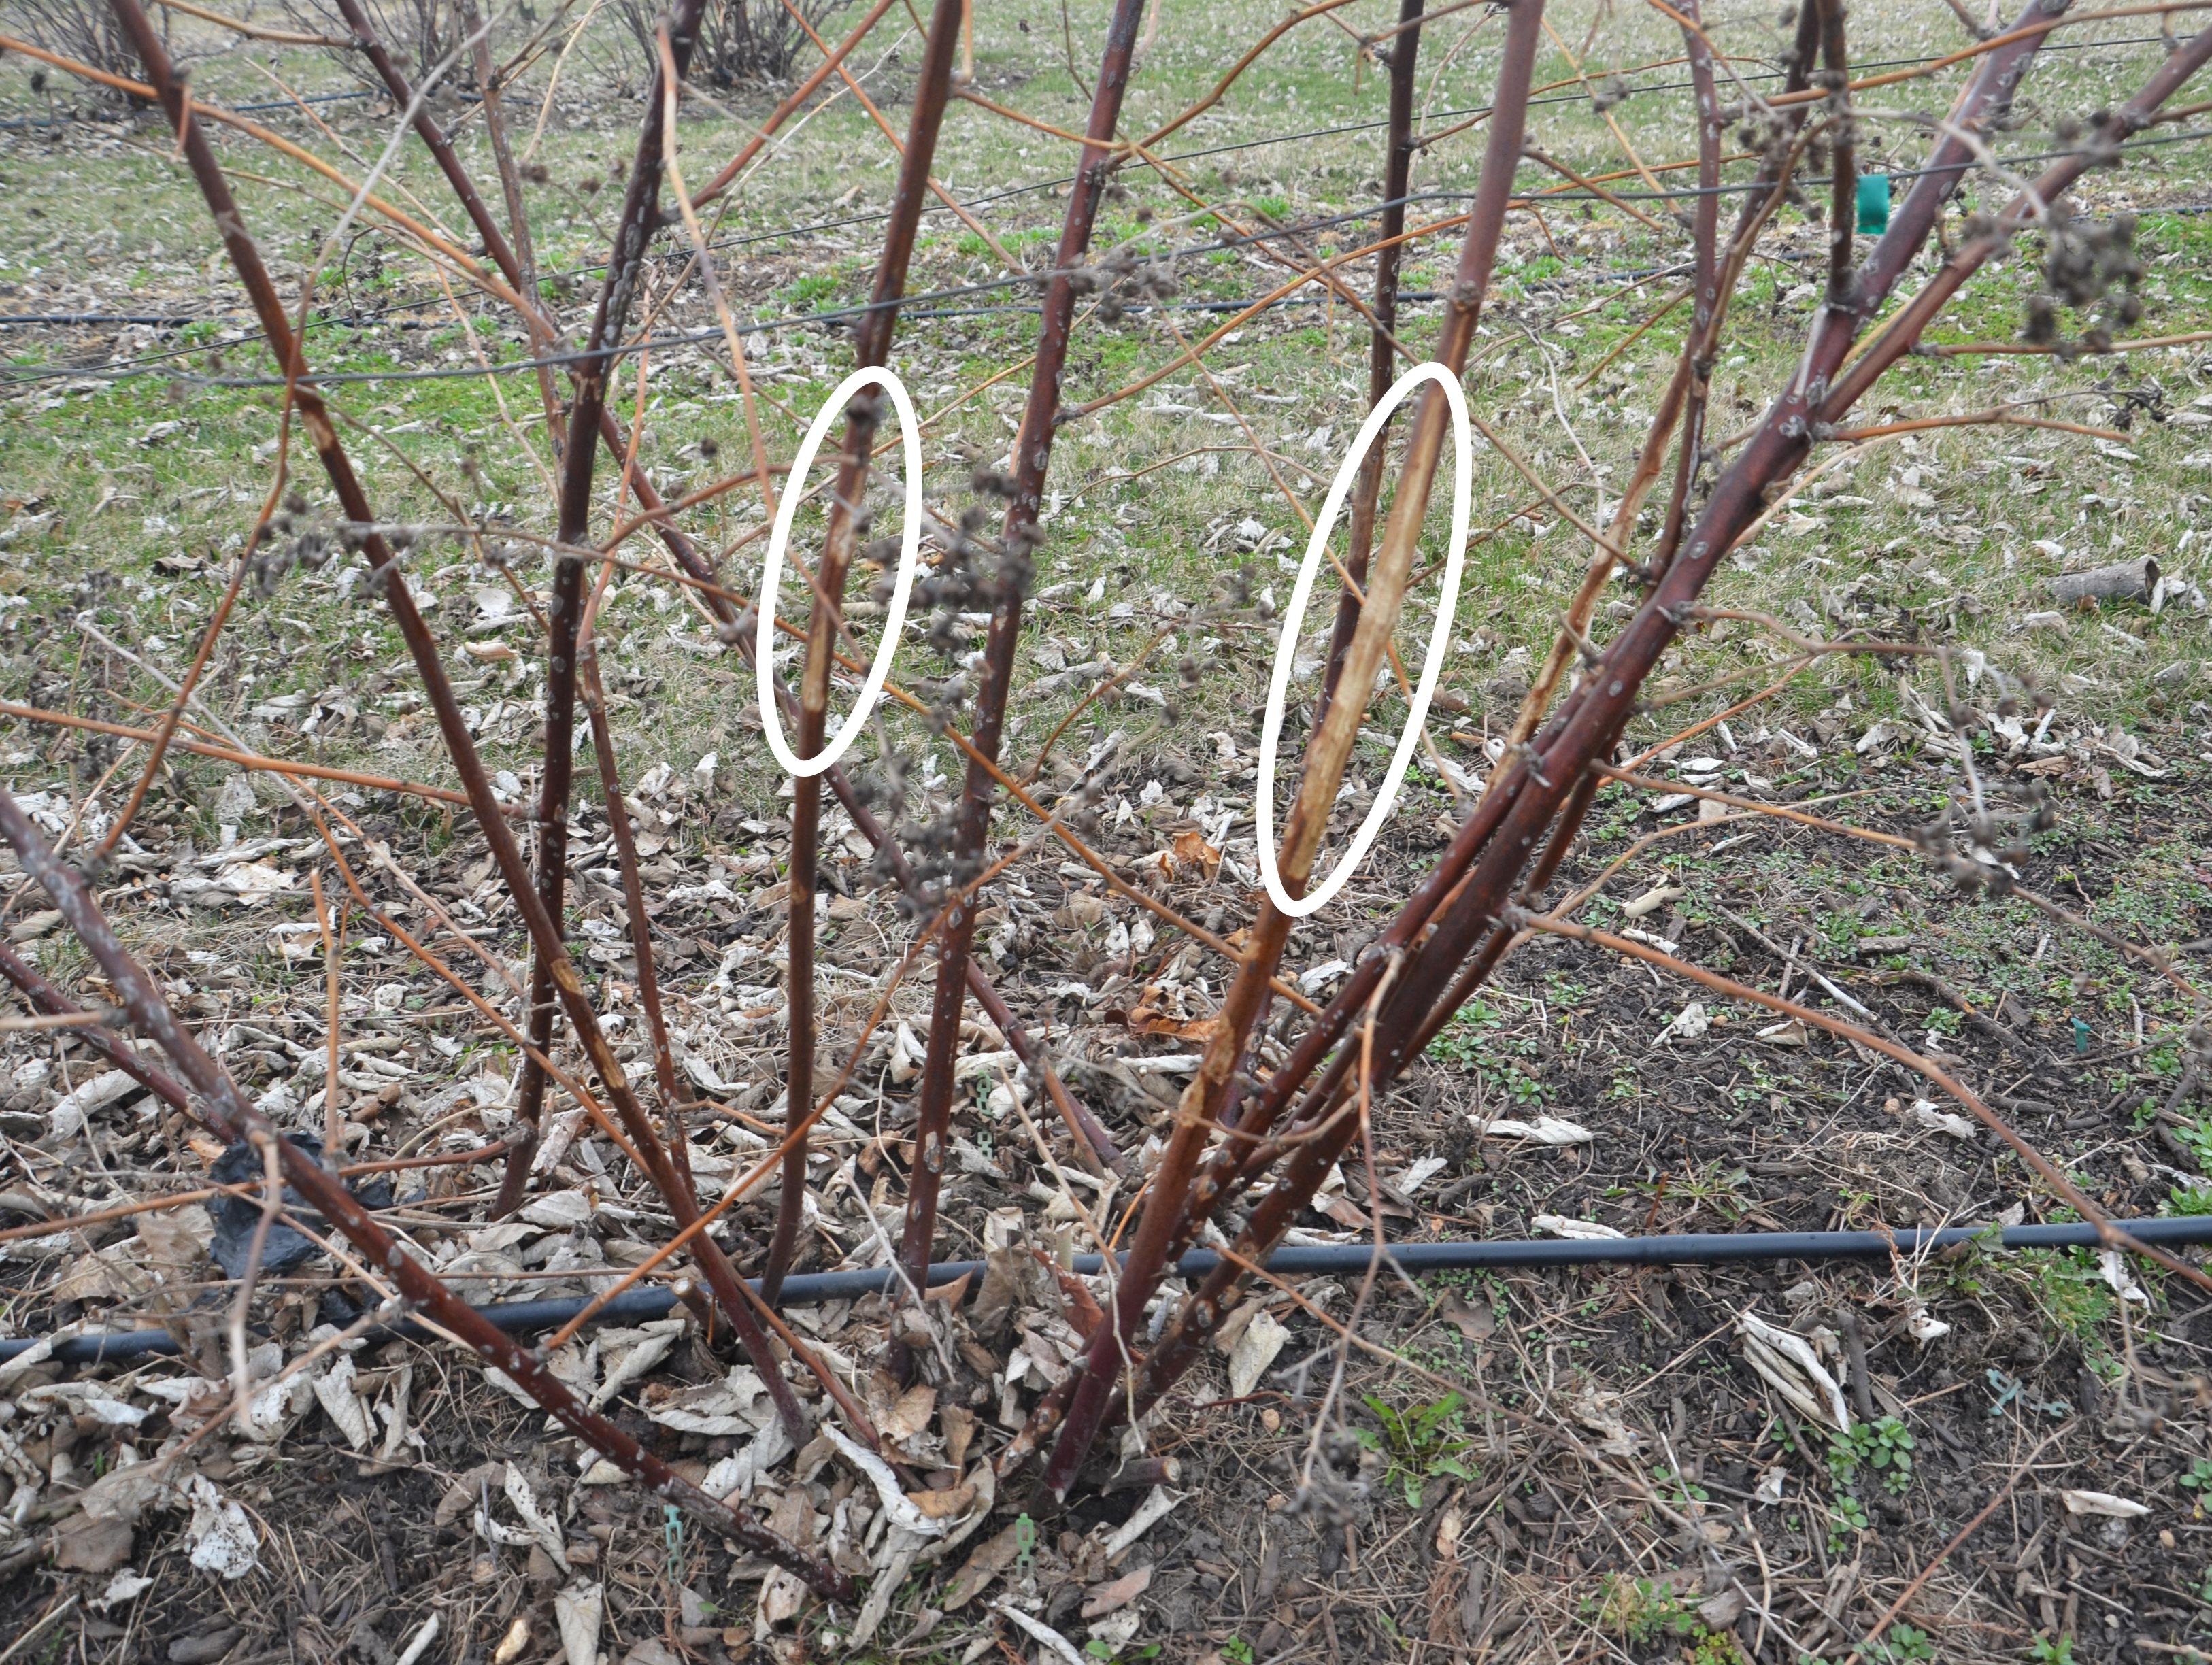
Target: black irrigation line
{"x": 54, "y": 122}
{"x": 686, "y": 338}
{"x": 1661, "y": 1249}
{"x": 907, "y": 307}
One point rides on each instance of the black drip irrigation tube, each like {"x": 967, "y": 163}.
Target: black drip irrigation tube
{"x": 1663, "y": 1249}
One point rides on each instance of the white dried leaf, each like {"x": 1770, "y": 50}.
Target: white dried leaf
{"x": 578, "y": 1612}
{"x": 125, "y": 1586}
{"x": 2114, "y": 1271}
{"x": 1256, "y": 1349}
{"x": 1557, "y": 1225}
{"x": 1690, "y": 1023}
{"x": 1786, "y": 1361}
{"x": 736, "y": 1474}
{"x": 419, "y": 1643}
{"x": 222, "y": 1538}
{"x": 1159, "y": 1504}
{"x": 1923, "y": 1326}
{"x": 1043, "y": 1634}
{"x": 1941, "y": 1122}
{"x": 559, "y": 1210}
{"x": 37, "y": 1353}
{"x": 900, "y": 1512}
{"x": 1115, "y": 1632}
{"x": 68, "y": 1117}
{"x": 1598, "y": 1411}
{"x": 93, "y": 1398}
{"x": 2103, "y": 1502}
{"x": 543, "y": 1530}
{"x": 630, "y": 1364}
{"x": 1653, "y": 899}
{"x": 737, "y": 1404}
{"x": 335, "y": 1390}
{"x": 1543, "y": 1130}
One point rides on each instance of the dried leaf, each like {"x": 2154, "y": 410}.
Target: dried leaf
{"x": 943, "y": 1505}
{"x": 222, "y": 1537}
{"x": 991, "y": 1556}
{"x": 1941, "y": 1122}
{"x": 125, "y": 1493}
{"x": 1263, "y": 1338}
{"x": 544, "y": 1531}
{"x": 1157, "y": 1507}
{"x": 1103, "y": 1598}
{"x": 1039, "y": 1631}
{"x": 334, "y": 1388}
{"x": 902, "y": 1513}
{"x": 1543, "y": 1130}
{"x": 578, "y": 1611}
{"x": 1787, "y": 1362}
{"x": 1597, "y": 1410}
{"x": 125, "y": 1586}
{"x": 910, "y": 1415}
{"x": 2103, "y": 1502}
{"x": 1476, "y": 1323}
{"x": 87, "y": 1543}
{"x": 175, "y": 1238}
{"x": 1557, "y": 1225}
{"x": 1652, "y": 900}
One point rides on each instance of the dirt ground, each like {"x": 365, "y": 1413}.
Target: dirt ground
{"x": 1603, "y": 1477}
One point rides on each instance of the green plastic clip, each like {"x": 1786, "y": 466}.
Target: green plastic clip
{"x": 1873, "y": 204}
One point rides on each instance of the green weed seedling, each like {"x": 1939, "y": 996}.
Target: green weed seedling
{"x": 2199, "y": 1478}
{"x": 1641, "y": 1612}
{"x": 1848, "y": 1516}
{"x": 1420, "y": 1444}
{"x": 1903, "y": 1645}
{"x": 1885, "y": 1446}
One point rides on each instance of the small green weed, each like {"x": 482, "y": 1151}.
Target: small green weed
{"x": 1885, "y": 1446}
{"x": 2073, "y": 1296}
{"x": 1677, "y": 1490}
{"x": 1848, "y": 1516}
{"x": 1420, "y": 1444}
{"x": 2051, "y": 1650}
{"x": 1464, "y": 1038}
{"x": 804, "y": 290}
{"x": 1642, "y": 1610}
{"x": 1903, "y": 1645}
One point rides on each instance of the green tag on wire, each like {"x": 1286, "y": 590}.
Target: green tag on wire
{"x": 1873, "y": 204}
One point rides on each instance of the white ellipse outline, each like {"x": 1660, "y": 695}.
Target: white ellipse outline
{"x": 879, "y": 669}
{"x": 1263, "y": 808}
